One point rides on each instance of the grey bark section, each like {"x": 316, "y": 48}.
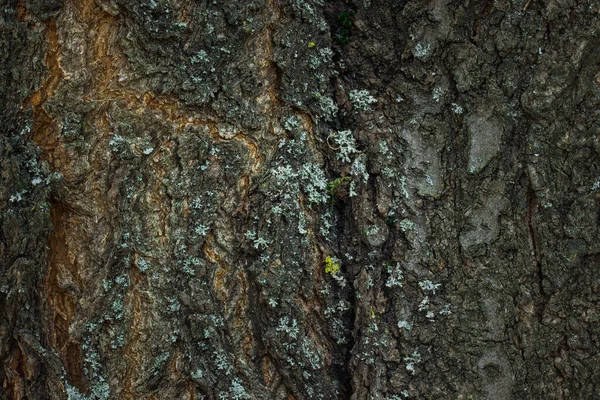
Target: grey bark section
{"x": 299, "y": 199}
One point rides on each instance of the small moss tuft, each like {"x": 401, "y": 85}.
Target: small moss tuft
{"x": 331, "y": 266}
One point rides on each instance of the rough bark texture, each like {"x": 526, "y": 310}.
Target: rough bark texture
{"x": 299, "y": 199}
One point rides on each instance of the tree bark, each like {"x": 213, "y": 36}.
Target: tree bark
{"x": 299, "y": 199}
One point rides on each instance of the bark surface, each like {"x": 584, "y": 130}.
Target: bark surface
{"x": 299, "y": 199}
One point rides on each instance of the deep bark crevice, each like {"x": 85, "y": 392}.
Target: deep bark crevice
{"x": 542, "y": 297}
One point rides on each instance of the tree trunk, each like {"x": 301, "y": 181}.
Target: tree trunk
{"x": 299, "y": 199}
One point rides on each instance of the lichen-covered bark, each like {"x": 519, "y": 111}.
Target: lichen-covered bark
{"x": 299, "y": 199}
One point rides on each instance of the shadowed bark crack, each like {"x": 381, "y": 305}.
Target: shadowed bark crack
{"x": 542, "y": 298}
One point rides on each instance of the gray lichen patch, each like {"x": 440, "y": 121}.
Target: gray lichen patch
{"x": 424, "y": 159}
{"x": 483, "y": 224}
{"x": 485, "y": 135}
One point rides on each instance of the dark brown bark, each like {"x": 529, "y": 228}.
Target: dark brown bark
{"x": 299, "y": 199}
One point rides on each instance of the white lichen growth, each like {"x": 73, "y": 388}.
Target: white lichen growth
{"x": 411, "y": 361}
{"x": 421, "y": 51}
{"x": 346, "y": 145}
{"x": 456, "y": 109}
{"x": 290, "y": 328}
{"x": 437, "y": 94}
{"x": 359, "y": 169}
{"x": 396, "y": 277}
{"x": 362, "y": 100}
{"x": 406, "y": 225}
{"x": 424, "y": 304}
{"x": 328, "y": 106}
{"x": 15, "y": 198}
{"x": 260, "y": 243}
{"x": 315, "y": 183}
{"x": 429, "y": 286}
{"x": 445, "y": 310}
{"x": 404, "y": 325}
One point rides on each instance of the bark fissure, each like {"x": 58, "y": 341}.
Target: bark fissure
{"x": 542, "y": 298}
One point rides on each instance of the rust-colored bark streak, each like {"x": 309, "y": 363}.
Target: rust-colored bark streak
{"x": 241, "y": 306}
{"x": 178, "y": 375}
{"x": 44, "y": 132}
{"x": 256, "y": 158}
{"x": 268, "y": 370}
{"x": 222, "y": 271}
{"x": 105, "y": 62}
{"x": 136, "y": 325}
{"x": 15, "y": 375}
{"x": 240, "y": 321}
{"x": 60, "y": 303}
{"x": 22, "y": 13}
{"x": 55, "y": 74}
{"x": 104, "y": 27}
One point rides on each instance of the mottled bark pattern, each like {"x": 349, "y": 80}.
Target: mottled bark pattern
{"x": 299, "y": 199}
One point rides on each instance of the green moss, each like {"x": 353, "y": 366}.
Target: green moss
{"x": 336, "y": 184}
{"x": 331, "y": 266}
